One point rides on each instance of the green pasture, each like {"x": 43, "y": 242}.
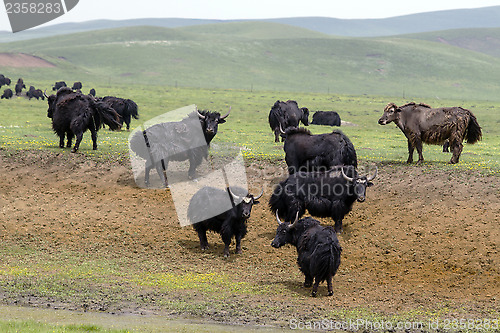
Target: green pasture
{"x": 24, "y": 124}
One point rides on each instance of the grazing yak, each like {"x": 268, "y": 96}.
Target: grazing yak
{"x": 330, "y": 118}
{"x": 318, "y": 250}
{"x": 35, "y": 93}
{"x": 77, "y": 86}
{"x": 307, "y": 152}
{"x": 177, "y": 141}
{"x": 421, "y": 123}
{"x": 7, "y": 93}
{"x": 19, "y": 86}
{"x": 58, "y": 85}
{"x": 4, "y": 81}
{"x": 126, "y": 108}
{"x": 323, "y": 194}
{"x": 286, "y": 114}
{"x": 73, "y": 113}
{"x": 230, "y": 223}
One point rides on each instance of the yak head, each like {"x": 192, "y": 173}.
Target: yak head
{"x": 391, "y": 113}
{"x": 305, "y": 116}
{"x": 246, "y": 202}
{"x": 359, "y": 184}
{"x": 51, "y": 100}
{"x": 210, "y": 122}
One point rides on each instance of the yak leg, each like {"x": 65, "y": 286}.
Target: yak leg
{"x": 276, "y": 135}
{"x": 410, "y": 152}
{"x": 315, "y": 287}
{"x": 93, "y": 134}
{"x": 446, "y": 147}
{"x": 308, "y": 281}
{"x": 238, "y": 243}
{"x": 329, "y": 283}
{"x": 79, "y": 138}
{"x": 456, "y": 147}
{"x": 418, "y": 146}
{"x": 202, "y": 235}
{"x": 338, "y": 225}
{"x": 61, "y": 139}
{"x": 147, "y": 170}
{"x": 69, "y": 135}
{"x": 160, "y": 167}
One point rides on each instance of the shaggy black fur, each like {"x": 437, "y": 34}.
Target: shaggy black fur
{"x": 73, "y": 113}
{"x": 318, "y": 250}
{"x": 307, "y": 152}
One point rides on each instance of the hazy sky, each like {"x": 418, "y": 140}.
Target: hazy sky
{"x": 234, "y": 9}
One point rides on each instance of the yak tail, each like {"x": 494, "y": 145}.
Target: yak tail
{"x": 108, "y": 116}
{"x": 474, "y": 133}
{"x": 132, "y": 108}
{"x": 326, "y": 260}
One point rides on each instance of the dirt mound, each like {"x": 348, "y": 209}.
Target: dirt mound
{"x": 18, "y": 60}
{"x": 424, "y": 237}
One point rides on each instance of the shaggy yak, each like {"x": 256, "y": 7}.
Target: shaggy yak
{"x": 126, "y": 108}
{"x": 307, "y": 152}
{"x": 318, "y": 250}
{"x": 322, "y": 194}
{"x": 7, "y": 93}
{"x": 73, "y": 113}
{"x": 286, "y": 114}
{"x": 421, "y": 123}
{"x": 177, "y": 141}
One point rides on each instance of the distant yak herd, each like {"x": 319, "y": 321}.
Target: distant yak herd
{"x": 323, "y": 178}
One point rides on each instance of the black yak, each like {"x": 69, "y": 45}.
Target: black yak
{"x": 307, "y": 152}
{"x": 421, "y": 123}
{"x": 73, "y": 113}
{"x": 4, "y": 81}
{"x": 77, "y": 86}
{"x": 126, "y": 108}
{"x": 318, "y": 250}
{"x": 177, "y": 141}
{"x": 229, "y": 223}
{"x": 58, "y": 85}
{"x": 330, "y": 118}
{"x": 322, "y": 193}
{"x": 19, "y": 86}
{"x": 35, "y": 93}
{"x": 286, "y": 114}
{"x": 7, "y": 93}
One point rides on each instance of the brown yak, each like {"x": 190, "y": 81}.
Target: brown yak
{"x": 421, "y": 123}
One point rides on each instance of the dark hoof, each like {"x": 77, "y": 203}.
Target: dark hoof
{"x": 73, "y": 150}
{"x": 314, "y": 293}
{"x": 330, "y": 293}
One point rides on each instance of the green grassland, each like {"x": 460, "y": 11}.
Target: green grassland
{"x": 25, "y": 124}
{"x": 263, "y": 57}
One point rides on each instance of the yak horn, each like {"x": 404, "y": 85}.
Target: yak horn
{"x": 45, "y": 93}
{"x": 372, "y": 177}
{"x": 281, "y": 129}
{"x": 235, "y": 197}
{"x": 261, "y": 193}
{"x": 200, "y": 115}
{"x": 227, "y": 114}
{"x": 345, "y": 176}
{"x": 278, "y": 217}
{"x": 296, "y": 219}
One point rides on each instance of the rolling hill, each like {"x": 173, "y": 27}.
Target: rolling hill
{"x": 486, "y": 17}
{"x": 263, "y": 56}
